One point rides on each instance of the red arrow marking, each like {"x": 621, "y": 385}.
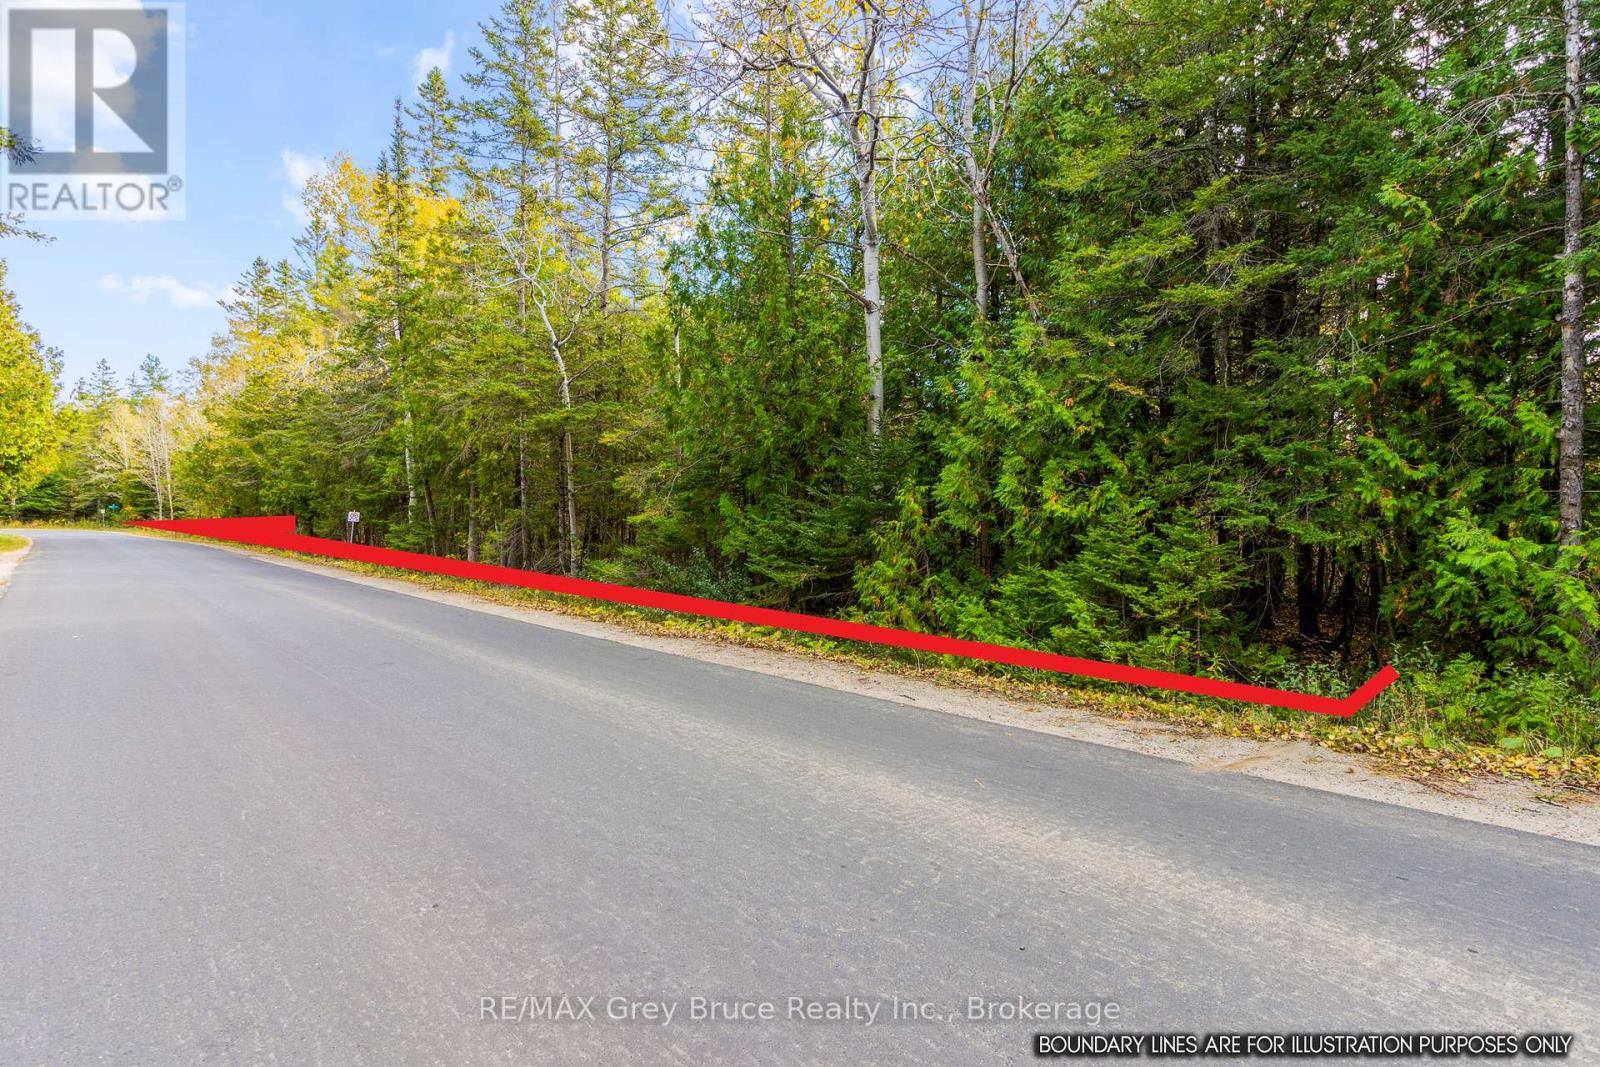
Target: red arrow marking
{"x": 277, "y": 531}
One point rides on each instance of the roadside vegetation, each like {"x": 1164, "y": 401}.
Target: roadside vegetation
{"x": 11, "y": 543}
{"x": 1209, "y": 336}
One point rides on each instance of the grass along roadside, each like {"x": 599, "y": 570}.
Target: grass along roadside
{"x": 12, "y": 543}
{"x": 1409, "y": 731}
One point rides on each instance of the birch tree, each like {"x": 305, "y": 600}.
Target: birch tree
{"x": 998, "y": 44}
{"x": 140, "y": 439}
{"x": 1573, "y": 325}
{"x": 844, "y": 53}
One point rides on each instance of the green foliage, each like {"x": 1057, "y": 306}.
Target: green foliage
{"x": 1293, "y": 390}
{"x": 761, "y": 384}
{"x": 29, "y": 430}
{"x": 1521, "y": 709}
{"x": 1521, "y": 601}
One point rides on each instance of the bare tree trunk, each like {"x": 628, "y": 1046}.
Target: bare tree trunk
{"x": 429, "y": 514}
{"x": 568, "y": 523}
{"x": 411, "y": 478}
{"x": 980, "y": 263}
{"x": 521, "y": 544}
{"x": 976, "y": 178}
{"x": 405, "y": 444}
{"x": 851, "y": 94}
{"x": 1570, "y": 462}
{"x": 866, "y": 153}
{"x": 608, "y": 184}
{"x": 871, "y": 291}
{"x": 557, "y": 146}
{"x": 569, "y": 502}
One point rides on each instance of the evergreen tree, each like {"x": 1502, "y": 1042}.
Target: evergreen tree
{"x": 29, "y": 429}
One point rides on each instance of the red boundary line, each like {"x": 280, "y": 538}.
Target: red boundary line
{"x": 277, "y": 531}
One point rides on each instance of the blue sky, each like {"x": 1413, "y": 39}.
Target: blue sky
{"x": 272, "y": 88}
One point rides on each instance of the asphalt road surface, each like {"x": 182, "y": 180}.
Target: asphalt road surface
{"x": 250, "y": 814}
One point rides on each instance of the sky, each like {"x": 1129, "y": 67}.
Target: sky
{"x": 272, "y": 90}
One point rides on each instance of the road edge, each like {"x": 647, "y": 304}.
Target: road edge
{"x": 1506, "y": 803}
{"x": 9, "y": 561}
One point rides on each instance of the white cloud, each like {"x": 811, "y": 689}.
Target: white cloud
{"x": 298, "y": 168}
{"x": 179, "y": 294}
{"x": 431, "y": 57}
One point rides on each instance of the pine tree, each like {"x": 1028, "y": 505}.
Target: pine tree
{"x": 517, "y": 111}
{"x": 437, "y": 135}
{"x": 629, "y": 127}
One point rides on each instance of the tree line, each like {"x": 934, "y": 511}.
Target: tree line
{"x": 1209, "y": 335}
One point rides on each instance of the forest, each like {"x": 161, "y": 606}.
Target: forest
{"x": 1240, "y": 337}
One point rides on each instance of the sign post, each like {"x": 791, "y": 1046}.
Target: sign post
{"x": 350, "y": 520}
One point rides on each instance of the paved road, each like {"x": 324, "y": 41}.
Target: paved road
{"x": 250, "y": 814}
